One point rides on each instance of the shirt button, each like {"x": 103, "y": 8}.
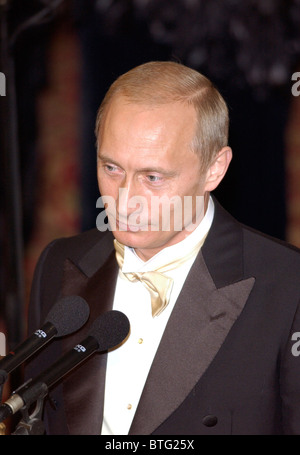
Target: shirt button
{"x": 140, "y": 341}
{"x": 129, "y": 406}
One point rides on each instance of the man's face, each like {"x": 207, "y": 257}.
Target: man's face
{"x": 146, "y": 166}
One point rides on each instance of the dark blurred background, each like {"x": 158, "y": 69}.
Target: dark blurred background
{"x": 60, "y": 57}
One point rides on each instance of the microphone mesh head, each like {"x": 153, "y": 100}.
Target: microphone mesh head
{"x": 68, "y": 315}
{"x": 110, "y": 329}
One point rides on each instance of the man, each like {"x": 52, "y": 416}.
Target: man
{"x": 215, "y": 350}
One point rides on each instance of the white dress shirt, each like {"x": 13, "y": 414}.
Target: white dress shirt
{"x": 128, "y": 365}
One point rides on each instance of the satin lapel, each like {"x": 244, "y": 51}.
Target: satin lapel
{"x": 200, "y": 321}
{"x": 211, "y": 300}
{"x": 83, "y": 389}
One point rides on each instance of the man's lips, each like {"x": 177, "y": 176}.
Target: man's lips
{"x": 128, "y": 227}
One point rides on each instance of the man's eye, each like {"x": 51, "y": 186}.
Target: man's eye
{"x": 154, "y": 178}
{"x": 110, "y": 168}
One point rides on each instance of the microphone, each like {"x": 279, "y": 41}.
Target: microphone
{"x": 108, "y": 331}
{"x": 66, "y": 316}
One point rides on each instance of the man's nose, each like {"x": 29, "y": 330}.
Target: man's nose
{"x": 129, "y": 198}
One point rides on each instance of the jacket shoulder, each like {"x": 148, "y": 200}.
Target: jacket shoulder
{"x": 277, "y": 259}
{"x": 270, "y": 245}
{"x": 49, "y": 271}
{"x": 76, "y": 246}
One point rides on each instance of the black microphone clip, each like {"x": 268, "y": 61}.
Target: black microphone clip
{"x": 31, "y": 422}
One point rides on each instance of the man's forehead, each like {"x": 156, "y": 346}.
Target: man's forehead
{"x": 149, "y": 123}
{"x": 120, "y": 103}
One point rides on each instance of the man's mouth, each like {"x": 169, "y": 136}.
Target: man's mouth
{"x": 121, "y": 226}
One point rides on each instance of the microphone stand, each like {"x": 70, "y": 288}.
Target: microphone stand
{"x": 31, "y": 424}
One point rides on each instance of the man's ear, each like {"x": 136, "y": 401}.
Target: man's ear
{"x": 218, "y": 168}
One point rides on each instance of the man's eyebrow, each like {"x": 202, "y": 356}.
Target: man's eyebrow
{"x": 159, "y": 170}
{"x": 105, "y": 158}
{"x": 148, "y": 169}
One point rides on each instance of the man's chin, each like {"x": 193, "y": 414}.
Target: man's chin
{"x": 138, "y": 239}
{"x": 146, "y": 240}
